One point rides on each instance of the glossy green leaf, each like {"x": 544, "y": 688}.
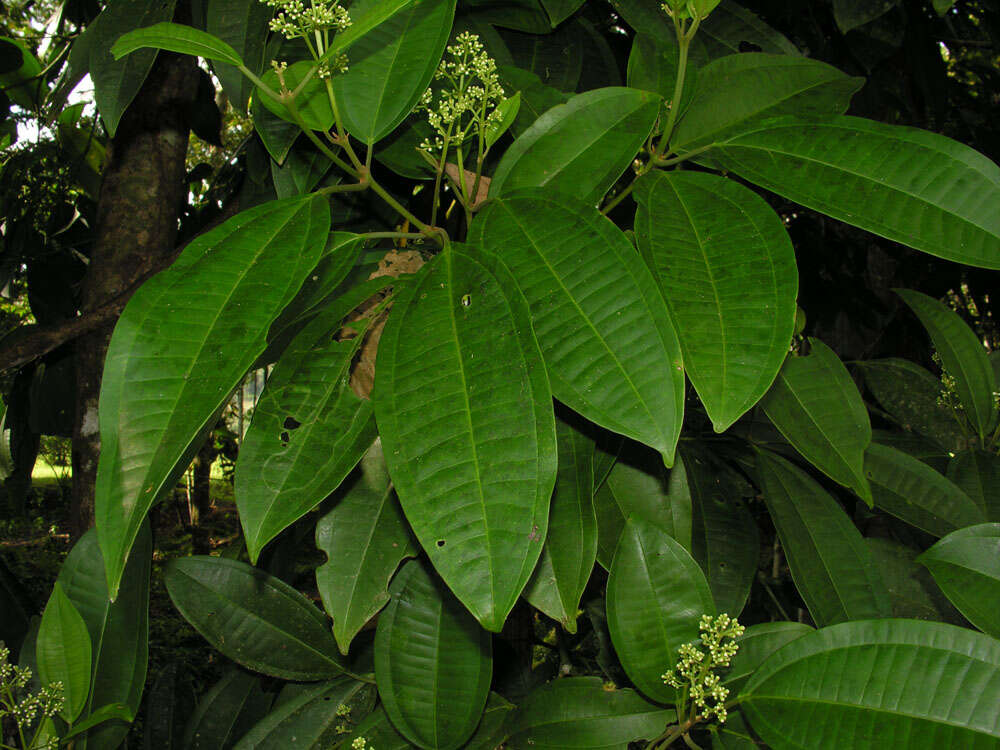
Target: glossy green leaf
{"x": 610, "y": 522}
{"x": 816, "y": 406}
{"x": 555, "y": 56}
{"x": 379, "y": 732}
{"x": 465, "y": 415}
{"x": 756, "y": 644}
{"x": 582, "y": 147}
{"x": 962, "y": 356}
{"x": 911, "y": 588}
{"x": 656, "y": 596}
{"x": 176, "y": 37}
{"x": 307, "y": 720}
{"x": 581, "y": 713}
{"x": 391, "y": 66}
{"x": 652, "y": 65}
{"x": 570, "y": 548}
{"x": 977, "y": 473}
{"x": 365, "y": 537}
{"x": 733, "y": 735}
{"x": 492, "y": 729}
{"x": 506, "y": 114}
{"x": 110, "y": 712}
{"x": 119, "y": 630}
{"x": 253, "y": 618}
{"x": 243, "y": 25}
{"x": 921, "y": 448}
{"x": 736, "y": 91}
{"x": 21, "y": 83}
{"x": 875, "y": 176}
{"x": 227, "y": 710}
{"x": 300, "y": 173}
{"x": 605, "y": 333}
{"x": 872, "y": 685}
{"x": 363, "y": 24}
{"x": 910, "y": 394}
{"x": 724, "y": 540}
{"x": 63, "y": 652}
{"x": 537, "y": 98}
{"x": 966, "y": 565}
{"x": 913, "y": 492}
{"x": 312, "y": 103}
{"x": 171, "y": 366}
{"x": 309, "y": 430}
{"x": 275, "y": 134}
{"x": 830, "y": 564}
{"x": 849, "y": 14}
{"x": 726, "y": 267}
{"x": 432, "y": 661}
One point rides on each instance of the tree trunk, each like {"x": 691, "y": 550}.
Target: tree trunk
{"x": 137, "y": 214}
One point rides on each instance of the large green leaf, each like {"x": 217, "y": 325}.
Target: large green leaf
{"x": 912, "y": 491}
{"x": 570, "y": 547}
{"x": 605, "y": 332}
{"x": 309, "y": 719}
{"x": 312, "y": 102}
{"x": 727, "y": 270}
{"x": 977, "y": 473}
{"x": 63, "y": 652}
{"x": 432, "y": 661}
{"x": 816, "y": 406}
{"x": 116, "y": 82}
{"x": 537, "y": 98}
{"x": 179, "y": 38}
{"x": 581, "y": 713}
{"x": 582, "y": 147}
{"x": 875, "y": 176}
{"x": 465, "y": 415}
{"x": 878, "y": 684}
{"x": 556, "y": 57}
{"x": 736, "y": 91}
{"x": 309, "y": 430}
{"x": 225, "y": 713}
{"x": 731, "y": 25}
{"x": 756, "y": 644}
{"x": 391, "y": 66}
{"x": 830, "y": 564}
{"x": 183, "y": 343}
{"x": 966, "y": 565}
{"x": 243, "y": 24}
{"x": 656, "y": 596}
{"x": 365, "y": 537}
{"x": 253, "y": 618}
{"x": 119, "y": 630}
{"x": 962, "y": 356}
{"x": 21, "y": 79}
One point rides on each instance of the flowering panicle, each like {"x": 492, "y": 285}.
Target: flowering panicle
{"x": 296, "y": 19}
{"x": 694, "y": 671}
{"x": 44, "y": 704}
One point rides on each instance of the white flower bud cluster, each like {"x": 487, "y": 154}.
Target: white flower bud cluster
{"x": 44, "y": 704}
{"x": 360, "y": 743}
{"x": 295, "y": 19}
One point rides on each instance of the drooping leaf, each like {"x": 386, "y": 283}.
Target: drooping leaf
{"x": 874, "y": 176}
{"x": 434, "y": 693}
{"x": 849, "y": 14}
{"x": 606, "y": 336}
{"x": 365, "y": 537}
{"x": 756, "y": 644}
{"x": 727, "y": 270}
{"x": 656, "y": 596}
{"x": 966, "y": 565}
{"x": 309, "y": 430}
{"x": 176, "y": 37}
{"x": 911, "y": 587}
{"x": 63, "y": 652}
{"x": 579, "y": 148}
{"x": 464, "y": 411}
{"x": 301, "y": 172}
{"x": 830, "y": 564}
{"x": 225, "y": 713}
{"x": 816, "y": 406}
{"x": 962, "y": 356}
{"x": 242, "y": 24}
{"x": 119, "y": 630}
{"x": 736, "y": 91}
{"x": 570, "y": 547}
{"x": 171, "y": 365}
{"x": 913, "y": 492}
{"x": 868, "y": 685}
{"x": 579, "y": 712}
{"x": 977, "y": 473}
{"x": 253, "y": 618}
{"x": 275, "y": 134}
{"x": 391, "y": 66}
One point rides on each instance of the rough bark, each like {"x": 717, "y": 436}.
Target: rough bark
{"x": 137, "y": 214}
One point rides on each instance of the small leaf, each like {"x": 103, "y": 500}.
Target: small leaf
{"x": 966, "y": 565}
{"x": 506, "y": 114}
{"x": 656, "y": 597}
{"x": 434, "y": 693}
{"x": 253, "y": 618}
{"x": 63, "y": 652}
{"x": 816, "y": 407}
{"x": 176, "y": 37}
{"x": 830, "y": 564}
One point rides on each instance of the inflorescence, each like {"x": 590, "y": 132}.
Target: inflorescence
{"x": 44, "y": 704}
{"x": 695, "y": 670}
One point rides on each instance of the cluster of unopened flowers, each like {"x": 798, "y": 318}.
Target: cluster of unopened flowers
{"x": 46, "y": 703}
{"x": 297, "y": 20}
{"x": 695, "y": 670}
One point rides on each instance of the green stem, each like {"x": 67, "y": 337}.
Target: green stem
{"x": 343, "y": 140}
{"x": 689, "y": 742}
{"x": 684, "y": 37}
{"x": 352, "y": 187}
{"x": 425, "y": 229}
{"x": 661, "y": 162}
{"x": 609, "y": 206}
{"x": 394, "y": 235}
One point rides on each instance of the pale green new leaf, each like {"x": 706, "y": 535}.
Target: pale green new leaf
{"x": 726, "y": 267}
{"x": 966, "y": 565}
{"x": 183, "y": 343}
{"x": 432, "y": 661}
{"x": 606, "y": 336}
{"x": 908, "y": 185}
{"x": 879, "y": 684}
{"x": 962, "y": 356}
{"x": 176, "y": 37}
{"x": 815, "y": 405}
{"x": 656, "y": 596}
{"x": 365, "y": 537}
{"x": 465, "y": 415}
{"x": 830, "y": 564}
{"x": 63, "y": 652}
